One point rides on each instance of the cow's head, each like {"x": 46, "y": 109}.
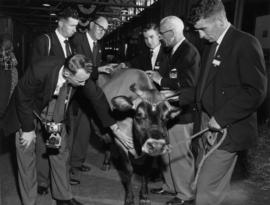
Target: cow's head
{"x": 151, "y": 114}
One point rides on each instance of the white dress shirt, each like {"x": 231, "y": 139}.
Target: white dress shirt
{"x": 62, "y": 41}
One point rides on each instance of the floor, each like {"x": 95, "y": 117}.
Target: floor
{"x": 104, "y": 187}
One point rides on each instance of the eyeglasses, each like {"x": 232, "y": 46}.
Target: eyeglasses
{"x": 162, "y": 33}
{"x": 99, "y": 27}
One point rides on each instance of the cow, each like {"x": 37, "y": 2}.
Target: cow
{"x": 142, "y": 113}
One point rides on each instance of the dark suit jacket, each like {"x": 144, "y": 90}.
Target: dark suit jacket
{"x": 80, "y": 44}
{"x": 36, "y": 88}
{"x": 7, "y": 108}
{"x": 41, "y": 46}
{"x": 235, "y": 88}
{"x": 143, "y": 61}
{"x": 186, "y": 61}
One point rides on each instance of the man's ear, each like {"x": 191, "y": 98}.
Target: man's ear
{"x": 66, "y": 73}
{"x": 60, "y": 23}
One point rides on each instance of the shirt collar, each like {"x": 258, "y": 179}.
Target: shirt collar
{"x": 177, "y": 45}
{"x": 60, "y": 36}
{"x": 223, "y": 34}
{"x": 156, "y": 49}
{"x": 61, "y": 79}
{"x": 89, "y": 37}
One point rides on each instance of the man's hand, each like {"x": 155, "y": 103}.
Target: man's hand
{"x": 27, "y": 138}
{"x": 122, "y": 137}
{"x": 213, "y": 124}
{"x": 105, "y": 69}
{"x": 154, "y": 75}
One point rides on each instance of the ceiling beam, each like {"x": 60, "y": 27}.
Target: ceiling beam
{"x": 114, "y": 14}
{"x": 28, "y": 7}
{"x": 27, "y": 15}
{"x": 98, "y": 3}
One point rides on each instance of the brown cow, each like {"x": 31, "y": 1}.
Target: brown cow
{"x": 143, "y": 113}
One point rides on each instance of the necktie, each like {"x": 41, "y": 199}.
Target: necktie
{"x": 67, "y": 47}
{"x": 95, "y": 51}
{"x": 61, "y": 103}
{"x": 210, "y": 58}
{"x": 151, "y": 58}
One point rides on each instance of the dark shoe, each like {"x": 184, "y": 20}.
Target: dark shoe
{"x": 42, "y": 190}
{"x": 161, "y": 191}
{"x": 178, "y": 201}
{"x": 74, "y": 181}
{"x": 83, "y": 168}
{"x": 68, "y": 202}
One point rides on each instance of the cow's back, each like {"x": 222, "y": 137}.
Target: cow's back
{"x": 120, "y": 81}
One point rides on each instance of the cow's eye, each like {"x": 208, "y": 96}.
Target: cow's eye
{"x": 140, "y": 115}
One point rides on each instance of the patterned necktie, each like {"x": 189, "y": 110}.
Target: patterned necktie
{"x": 67, "y": 47}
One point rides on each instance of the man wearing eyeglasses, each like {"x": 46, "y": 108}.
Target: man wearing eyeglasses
{"x": 181, "y": 75}
{"x": 86, "y": 44}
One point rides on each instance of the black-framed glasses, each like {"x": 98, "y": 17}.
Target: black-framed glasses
{"x": 162, "y": 33}
{"x": 101, "y": 28}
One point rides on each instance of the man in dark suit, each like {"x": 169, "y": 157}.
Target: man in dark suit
{"x": 231, "y": 88}
{"x": 40, "y": 93}
{"x": 88, "y": 45}
{"x": 57, "y": 42}
{"x": 181, "y": 75}
{"x": 53, "y": 44}
{"x": 154, "y": 57}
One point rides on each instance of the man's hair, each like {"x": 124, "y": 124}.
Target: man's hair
{"x": 175, "y": 23}
{"x": 78, "y": 61}
{"x": 150, "y": 26}
{"x": 68, "y": 13}
{"x": 206, "y": 8}
{"x": 95, "y": 18}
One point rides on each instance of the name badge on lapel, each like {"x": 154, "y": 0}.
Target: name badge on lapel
{"x": 216, "y": 61}
{"x": 156, "y": 67}
{"x": 173, "y": 73}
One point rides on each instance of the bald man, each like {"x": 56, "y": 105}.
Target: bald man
{"x": 182, "y": 75}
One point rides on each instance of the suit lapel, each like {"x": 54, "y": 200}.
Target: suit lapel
{"x": 58, "y": 50}
{"x": 216, "y": 65}
{"x": 86, "y": 47}
{"x": 51, "y": 83}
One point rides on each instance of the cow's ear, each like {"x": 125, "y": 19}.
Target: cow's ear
{"x": 122, "y": 103}
{"x": 174, "y": 112}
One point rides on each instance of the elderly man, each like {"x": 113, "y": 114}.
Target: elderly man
{"x": 181, "y": 75}
{"x": 231, "y": 88}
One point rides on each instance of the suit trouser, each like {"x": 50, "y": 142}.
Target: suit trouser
{"x": 214, "y": 178}
{"x": 42, "y": 160}
{"x": 27, "y": 173}
{"x": 179, "y": 163}
{"x": 82, "y": 132}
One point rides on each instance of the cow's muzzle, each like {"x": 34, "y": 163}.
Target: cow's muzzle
{"x": 155, "y": 147}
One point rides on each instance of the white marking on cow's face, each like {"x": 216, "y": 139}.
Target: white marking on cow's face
{"x": 155, "y": 147}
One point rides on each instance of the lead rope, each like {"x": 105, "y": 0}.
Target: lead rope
{"x": 205, "y": 156}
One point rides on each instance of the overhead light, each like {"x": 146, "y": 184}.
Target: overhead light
{"x": 46, "y": 5}
{"x": 52, "y": 14}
